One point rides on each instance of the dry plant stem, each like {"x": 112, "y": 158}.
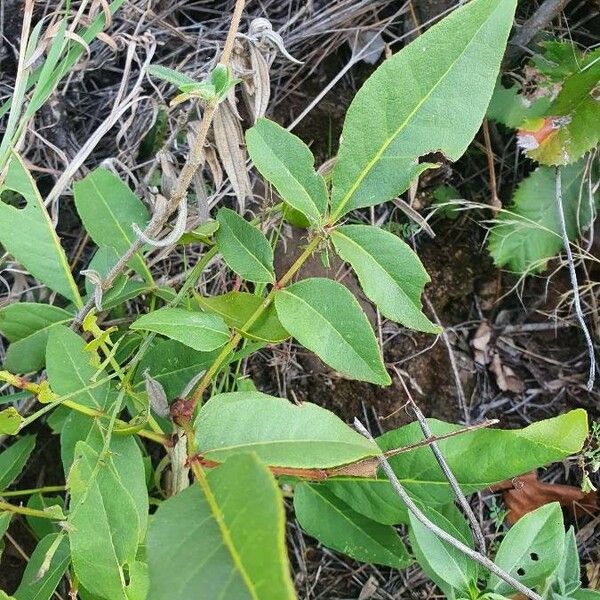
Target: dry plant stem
{"x": 540, "y": 19}
{"x": 230, "y": 346}
{"x": 192, "y": 163}
{"x": 444, "y": 535}
{"x": 574, "y": 283}
{"x": 449, "y": 475}
{"x": 494, "y": 200}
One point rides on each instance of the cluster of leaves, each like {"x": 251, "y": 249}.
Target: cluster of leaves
{"x": 106, "y": 393}
{"x": 556, "y": 111}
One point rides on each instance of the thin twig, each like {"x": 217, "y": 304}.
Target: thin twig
{"x": 574, "y": 284}
{"x": 444, "y": 535}
{"x": 540, "y": 19}
{"x": 447, "y": 471}
{"x": 184, "y": 180}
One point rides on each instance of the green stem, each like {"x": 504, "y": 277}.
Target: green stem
{"x": 48, "y": 489}
{"x": 234, "y": 341}
{"x": 23, "y": 510}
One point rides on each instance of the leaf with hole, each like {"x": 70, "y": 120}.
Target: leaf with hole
{"x": 26, "y": 326}
{"x": 28, "y": 234}
{"x": 278, "y": 432}
{"x": 532, "y": 549}
{"x": 237, "y": 307}
{"x": 390, "y": 273}
{"x": 197, "y": 330}
{"x": 10, "y": 421}
{"x": 324, "y": 516}
{"x": 285, "y": 161}
{"x": 423, "y": 99}
{"x": 108, "y": 209}
{"x": 327, "y": 319}
{"x": 224, "y": 538}
{"x": 244, "y": 247}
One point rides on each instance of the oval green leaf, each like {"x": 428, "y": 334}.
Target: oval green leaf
{"x": 390, "y": 273}
{"x": 197, "y": 330}
{"x": 285, "y": 161}
{"x": 280, "y": 433}
{"x": 244, "y": 247}
{"x": 224, "y": 539}
{"x": 423, "y": 99}
{"x": 327, "y": 319}
{"x": 108, "y": 208}
{"x": 29, "y": 235}
{"x": 337, "y": 526}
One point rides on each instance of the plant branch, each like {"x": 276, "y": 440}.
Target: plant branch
{"x": 194, "y": 160}
{"x": 24, "y": 510}
{"x": 234, "y": 341}
{"x": 447, "y": 471}
{"x": 444, "y": 535}
{"x": 574, "y": 283}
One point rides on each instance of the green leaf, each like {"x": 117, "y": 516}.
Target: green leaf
{"x": 515, "y": 452}
{"x": 580, "y": 106}
{"x": 108, "y": 208}
{"x": 43, "y": 527}
{"x": 510, "y": 107}
{"x": 423, "y": 99}
{"x": 586, "y": 595}
{"x": 173, "y": 365}
{"x": 285, "y": 161}
{"x": 327, "y": 319}
{"x": 69, "y": 371}
{"x": 34, "y": 588}
{"x": 225, "y": 539}
{"x": 566, "y": 578}
{"x": 447, "y": 567}
{"x": 10, "y": 421}
{"x": 26, "y": 326}
{"x": 390, "y": 273}
{"x": 237, "y": 307}
{"x": 532, "y": 548}
{"x": 279, "y": 432}
{"x": 337, "y": 526}
{"x": 28, "y": 234}
{"x": 197, "y": 330}
{"x": 528, "y": 234}
{"x": 171, "y": 76}
{"x": 244, "y": 247}
{"x": 13, "y": 459}
{"x": 104, "y": 525}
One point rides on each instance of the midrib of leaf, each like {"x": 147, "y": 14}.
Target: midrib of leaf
{"x": 249, "y": 253}
{"x": 226, "y": 534}
{"x": 403, "y": 125}
{"x": 381, "y": 267}
{"x": 147, "y": 273}
{"x": 354, "y": 525}
{"x": 330, "y": 443}
{"x": 341, "y": 337}
{"x": 42, "y": 329}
